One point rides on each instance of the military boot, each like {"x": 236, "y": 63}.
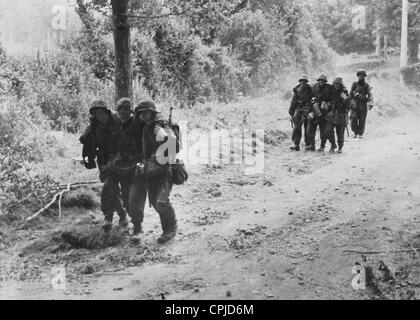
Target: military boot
{"x": 332, "y": 150}
{"x": 295, "y": 148}
{"x": 321, "y": 149}
{"x": 340, "y": 150}
{"x": 137, "y": 234}
{"x": 169, "y": 227}
{"x": 123, "y": 223}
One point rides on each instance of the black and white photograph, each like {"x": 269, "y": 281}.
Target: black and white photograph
{"x": 188, "y": 151}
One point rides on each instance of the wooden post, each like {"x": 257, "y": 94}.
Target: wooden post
{"x": 378, "y": 40}
{"x": 386, "y": 47}
{"x": 404, "y": 37}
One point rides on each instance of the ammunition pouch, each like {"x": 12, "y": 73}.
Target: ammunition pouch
{"x": 154, "y": 170}
{"x": 179, "y": 173}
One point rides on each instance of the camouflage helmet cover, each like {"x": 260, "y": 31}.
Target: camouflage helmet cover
{"x": 146, "y": 105}
{"x": 98, "y": 104}
{"x": 304, "y": 77}
{"x": 124, "y": 102}
{"x": 323, "y": 77}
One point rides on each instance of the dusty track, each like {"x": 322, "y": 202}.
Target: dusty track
{"x": 281, "y": 235}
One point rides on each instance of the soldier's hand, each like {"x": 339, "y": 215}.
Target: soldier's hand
{"x": 370, "y": 107}
{"x": 139, "y": 170}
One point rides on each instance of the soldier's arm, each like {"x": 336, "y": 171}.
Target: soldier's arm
{"x": 293, "y": 105}
{"x": 87, "y": 133}
{"x": 370, "y": 95}
{"x": 353, "y": 90}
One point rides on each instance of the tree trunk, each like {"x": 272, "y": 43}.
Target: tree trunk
{"x": 413, "y": 50}
{"x": 123, "y": 74}
{"x": 404, "y": 34}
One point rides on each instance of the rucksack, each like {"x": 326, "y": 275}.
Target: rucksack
{"x": 179, "y": 171}
{"x": 174, "y": 130}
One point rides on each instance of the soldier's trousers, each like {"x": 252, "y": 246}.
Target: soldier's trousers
{"x": 358, "y": 120}
{"x": 328, "y": 134}
{"x": 297, "y": 133}
{"x": 312, "y": 128}
{"x": 111, "y": 200}
{"x": 159, "y": 191}
{"x": 340, "y": 131}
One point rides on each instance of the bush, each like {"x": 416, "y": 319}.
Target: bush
{"x": 171, "y": 64}
{"x": 249, "y": 36}
{"x": 62, "y": 87}
{"x": 25, "y": 138}
{"x": 411, "y": 75}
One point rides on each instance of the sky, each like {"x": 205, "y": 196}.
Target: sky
{"x": 29, "y": 25}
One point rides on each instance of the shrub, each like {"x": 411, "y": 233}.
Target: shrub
{"x": 172, "y": 64}
{"x": 411, "y": 75}
{"x": 24, "y": 138}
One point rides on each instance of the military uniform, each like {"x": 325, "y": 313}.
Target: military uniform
{"x": 158, "y": 188}
{"x": 339, "y": 113}
{"x": 361, "y": 96}
{"x": 103, "y": 138}
{"x": 132, "y": 186}
{"x": 299, "y": 111}
{"x": 321, "y": 107}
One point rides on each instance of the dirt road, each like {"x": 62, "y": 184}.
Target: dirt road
{"x": 295, "y": 232}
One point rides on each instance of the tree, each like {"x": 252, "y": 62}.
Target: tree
{"x": 123, "y": 73}
{"x": 390, "y": 13}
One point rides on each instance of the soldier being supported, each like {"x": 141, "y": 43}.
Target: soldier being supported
{"x": 338, "y": 117}
{"x": 321, "y": 107}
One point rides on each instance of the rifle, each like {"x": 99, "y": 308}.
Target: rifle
{"x": 347, "y": 125}
{"x": 176, "y": 130}
{"x": 170, "y": 116}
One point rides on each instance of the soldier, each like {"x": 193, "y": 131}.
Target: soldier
{"x": 128, "y": 156}
{"x": 362, "y": 100}
{"x": 100, "y": 136}
{"x": 338, "y": 116}
{"x": 321, "y": 105}
{"x": 157, "y": 177}
{"x": 299, "y": 111}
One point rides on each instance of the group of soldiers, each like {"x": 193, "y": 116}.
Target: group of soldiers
{"x": 119, "y": 144}
{"x": 327, "y": 106}
{"x": 126, "y": 145}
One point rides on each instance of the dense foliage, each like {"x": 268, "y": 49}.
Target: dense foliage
{"x": 335, "y": 20}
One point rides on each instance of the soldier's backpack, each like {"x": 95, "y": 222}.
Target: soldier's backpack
{"x": 179, "y": 171}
